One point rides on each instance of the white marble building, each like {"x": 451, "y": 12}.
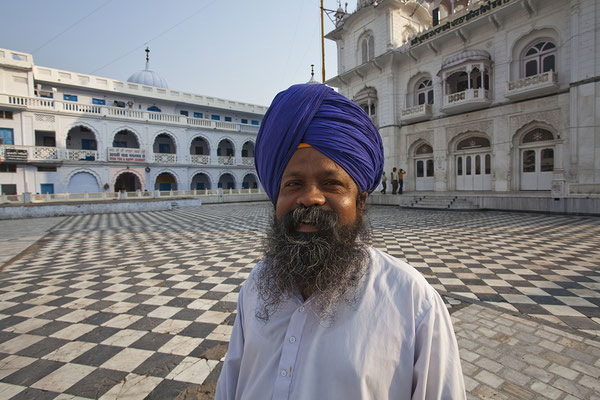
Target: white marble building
{"x": 498, "y": 96}
{"x": 67, "y": 132}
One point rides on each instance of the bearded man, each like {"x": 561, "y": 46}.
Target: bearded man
{"x": 324, "y": 315}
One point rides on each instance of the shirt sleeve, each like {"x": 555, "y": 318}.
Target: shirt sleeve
{"x": 228, "y": 380}
{"x": 437, "y": 372}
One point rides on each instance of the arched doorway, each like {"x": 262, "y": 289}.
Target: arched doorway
{"x": 165, "y": 182}
{"x": 227, "y": 181}
{"x": 537, "y": 160}
{"x": 199, "y": 151}
{"x": 126, "y": 139}
{"x": 250, "y": 182}
{"x": 424, "y": 179}
{"x": 225, "y": 152}
{"x": 83, "y": 182}
{"x": 164, "y": 149}
{"x": 200, "y": 181}
{"x": 81, "y": 144}
{"x": 128, "y": 182}
{"x": 473, "y": 164}
{"x": 248, "y": 149}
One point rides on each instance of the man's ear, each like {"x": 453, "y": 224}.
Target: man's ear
{"x": 362, "y": 200}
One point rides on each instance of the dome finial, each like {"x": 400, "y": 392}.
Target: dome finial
{"x": 312, "y": 70}
{"x": 147, "y": 57}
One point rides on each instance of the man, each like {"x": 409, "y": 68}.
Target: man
{"x": 401, "y": 180}
{"x": 394, "y": 181}
{"x": 383, "y": 182}
{"x": 324, "y": 315}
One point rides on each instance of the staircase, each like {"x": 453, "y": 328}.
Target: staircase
{"x": 440, "y": 203}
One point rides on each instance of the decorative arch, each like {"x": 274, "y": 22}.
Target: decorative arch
{"x": 130, "y": 129}
{"x": 517, "y": 136}
{"x": 203, "y": 137}
{"x": 365, "y": 48}
{"x": 131, "y": 171}
{"x": 99, "y": 142}
{"x": 170, "y": 134}
{"x": 452, "y": 145}
{"x": 249, "y": 153}
{"x": 411, "y": 89}
{"x": 201, "y": 172}
{"x": 230, "y": 173}
{"x": 233, "y": 143}
{"x": 250, "y": 181}
{"x": 519, "y": 46}
{"x": 157, "y": 172}
{"x": 68, "y": 177}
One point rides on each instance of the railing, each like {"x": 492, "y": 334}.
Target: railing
{"x": 416, "y": 113}
{"x": 536, "y": 84}
{"x": 225, "y": 160}
{"x": 83, "y": 155}
{"x": 121, "y": 113}
{"x": 33, "y": 152}
{"x": 106, "y": 196}
{"x": 466, "y": 99}
{"x": 200, "y": 159}
{"x": 165, "y": 158}
{"x": 249, "y": 161}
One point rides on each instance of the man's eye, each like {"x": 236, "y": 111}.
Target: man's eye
{"x": 291, "y": 183}
{"x": 334, "y": 183}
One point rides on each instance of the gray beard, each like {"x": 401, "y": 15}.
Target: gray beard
{"x": 331, "y": 261}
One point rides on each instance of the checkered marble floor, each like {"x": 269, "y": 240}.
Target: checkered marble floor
{"x": 141, "y": 305}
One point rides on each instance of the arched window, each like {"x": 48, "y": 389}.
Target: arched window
{"x": 424, "y": 92}
{"x": 537, "y": 135}
{"x": 539, "y": 58}
{"x": 368, "y": 48}
{"x": 473, "y": 143}
{"x": 424, "y": 149}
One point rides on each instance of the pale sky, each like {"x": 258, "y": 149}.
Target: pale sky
{"x": 234, "y": 49}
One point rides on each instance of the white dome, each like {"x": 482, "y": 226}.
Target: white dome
{"x": 149, "y": 78}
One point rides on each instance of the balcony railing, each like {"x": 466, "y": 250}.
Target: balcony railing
{"x": 248, "y": 161}
{"x": 422, "y": 112}
{"x": 535, "y": 85}
{"x": 35, "y": 103}
{"x": 225, "y": 160}
{"x": 165, "y": 158}
{"x": 469, "y": 99}
{"x": 200, "y": 159}
{"x": 28, "y": 153}
{"x": 82, "y": 155}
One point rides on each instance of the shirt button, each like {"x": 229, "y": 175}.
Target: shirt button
{"x": 292, "y": 339}
{"x": 301, "y": 309}
{"x": 283, "y": 372}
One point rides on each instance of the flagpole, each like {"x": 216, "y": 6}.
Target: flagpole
{"x": 322, "y": 42}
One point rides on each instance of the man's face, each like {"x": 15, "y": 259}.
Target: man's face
{"x": 312, "y": 179}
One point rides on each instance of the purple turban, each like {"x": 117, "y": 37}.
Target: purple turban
{"x": 317, "y": 115}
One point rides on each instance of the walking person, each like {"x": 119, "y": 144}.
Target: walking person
{"x": 394, "y": 181}
{"x": 401, "y": 180}
{"x": 383, "y": 182}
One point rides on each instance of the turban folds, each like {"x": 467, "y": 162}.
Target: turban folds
{"x": 317, "y": 115}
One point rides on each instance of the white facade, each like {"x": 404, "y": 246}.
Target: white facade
{"x": 500, "y": 95}
{"x": 70, "y": 132}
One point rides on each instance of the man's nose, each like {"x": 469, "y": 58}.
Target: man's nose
{"x": 311, "y": 196}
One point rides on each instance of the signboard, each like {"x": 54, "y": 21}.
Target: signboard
{"x": 485, "y": 8}
{"x": 15, "y": 155}
{"x": 125, "y": 154}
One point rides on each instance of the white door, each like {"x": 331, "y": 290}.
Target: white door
{"x": 424, "y": 174}
{"x": 537, "y": 166}
{"x": 473, "y": 172}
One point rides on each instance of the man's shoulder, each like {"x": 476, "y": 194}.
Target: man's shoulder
{"x": 399, "y": 277}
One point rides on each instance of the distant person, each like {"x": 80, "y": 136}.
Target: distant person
{"x": 394, "y": 181}
{"x": 383, "y": 182}
{"x": 401, "y": 180}
{"x": 324, "y": 315}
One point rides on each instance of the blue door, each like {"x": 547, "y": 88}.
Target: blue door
{"x": 47, "y": 188}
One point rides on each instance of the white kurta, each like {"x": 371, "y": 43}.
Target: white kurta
{"x": 396, "y": 342}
